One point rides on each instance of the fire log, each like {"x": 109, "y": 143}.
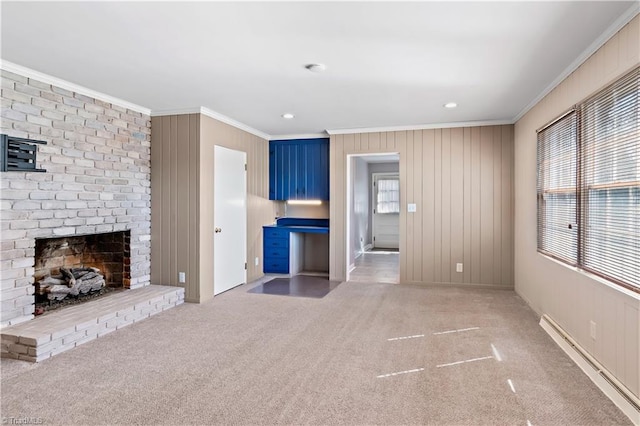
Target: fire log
{"x": 81, "y": 272}
{"x": 85, "y": 286}
{"x": 71, "y": 280}
{"x": 57, "y": 292}
{"x": 46, "y": 282}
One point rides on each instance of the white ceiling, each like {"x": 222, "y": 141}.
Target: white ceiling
{"x": 388, "y": 64}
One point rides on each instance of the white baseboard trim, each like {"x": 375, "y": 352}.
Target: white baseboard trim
{"x": 622, "y": 397}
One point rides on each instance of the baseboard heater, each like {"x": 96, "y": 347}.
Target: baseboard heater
{"x": 624, "y": 399}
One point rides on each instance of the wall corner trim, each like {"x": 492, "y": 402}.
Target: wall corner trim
{"x": 616, "y": 26}
{"x": 64, "y": 84}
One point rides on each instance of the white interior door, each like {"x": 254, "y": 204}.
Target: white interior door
{"x": 386, "y": 210}
{"x": 230, "y": 219}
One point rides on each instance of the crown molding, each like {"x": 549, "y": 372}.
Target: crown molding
{"x": 67, "y": 85}
{"x": 211, "y": 114}
{"x": 175, "y": 111}
{"x": 299, "y": 136}
{"x": 616, "y": 26}
{"x": 419, "y": 127}
{"x": 64, "y": 84}
{"x": 230, "y": 121}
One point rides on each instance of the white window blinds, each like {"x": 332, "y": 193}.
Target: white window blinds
{"x": 557, "y": 190}
{"x": 589, "y": 184}
{"x": 388, "y": 196}
{"x": 610, "y": 189}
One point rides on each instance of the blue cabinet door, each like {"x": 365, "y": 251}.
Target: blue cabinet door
{"x": 292, "y": 170}
{"x": 314, "y": 178}
{"x": 299, "y": 169}
{"x": 284, "y": 171}
{"x": 273, "y": 171}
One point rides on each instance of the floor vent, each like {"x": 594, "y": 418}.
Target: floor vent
{"x": 624, "y": 399}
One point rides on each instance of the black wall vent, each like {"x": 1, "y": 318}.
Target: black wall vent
{"x": 18, "y": 154}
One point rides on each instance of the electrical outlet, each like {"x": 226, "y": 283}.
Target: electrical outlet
{"x": 257, "y": 261}
{"x": 592, "y": 329}
{"x": 182, "y": 277}
{"x": 458, "y": 267}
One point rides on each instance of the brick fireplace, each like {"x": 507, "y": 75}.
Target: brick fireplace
{"x": 97, "y": 182}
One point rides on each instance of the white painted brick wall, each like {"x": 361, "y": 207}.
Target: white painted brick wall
{"x": 98, "y": 166}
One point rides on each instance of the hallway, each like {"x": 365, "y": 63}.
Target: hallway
{"x": 377, "y": 266}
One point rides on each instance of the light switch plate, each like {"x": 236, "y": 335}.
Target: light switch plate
{"x": 411, "y": 207}
{"x": 182, "y": 277}
{"x": 458, "y": 267}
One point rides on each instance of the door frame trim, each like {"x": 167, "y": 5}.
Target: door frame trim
{"x": 345, "y": 213}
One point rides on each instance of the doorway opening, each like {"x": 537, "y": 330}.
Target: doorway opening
{"x": 373, "y": 217}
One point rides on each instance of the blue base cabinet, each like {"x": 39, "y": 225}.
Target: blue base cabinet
{"x": 299, "y": 169}
{"x": 276, "y": 251}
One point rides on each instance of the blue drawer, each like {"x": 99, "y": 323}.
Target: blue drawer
{"x": 276, "y": 265}
{"x": 270, "y": 243}
{"x": 276, "y": 252}
{"x": 276, "y": 233}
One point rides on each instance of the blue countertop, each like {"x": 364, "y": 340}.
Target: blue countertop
{"x": 305, "y": 225}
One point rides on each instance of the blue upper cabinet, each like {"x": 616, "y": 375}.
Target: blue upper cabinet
{"x": 299, "y": 169}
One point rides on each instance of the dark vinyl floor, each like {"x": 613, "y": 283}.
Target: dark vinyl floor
{"x": 298, "y": 285}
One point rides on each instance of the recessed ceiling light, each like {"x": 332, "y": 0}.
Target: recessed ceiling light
{"x": 450, "y": 105}
{"x": 316, "y": 67}
{"x": 288, "y": 115}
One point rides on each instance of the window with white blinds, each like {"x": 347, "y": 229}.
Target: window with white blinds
{"x": 610, "y": 187}
{"x": 589, "y": 184}
{"x": 557, "y": 189}
{"x": 388, "y": 199}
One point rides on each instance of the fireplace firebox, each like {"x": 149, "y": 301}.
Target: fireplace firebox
{"x": 70, "y": 270}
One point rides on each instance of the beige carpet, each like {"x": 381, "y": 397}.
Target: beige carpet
{"x": 263, "y": 359}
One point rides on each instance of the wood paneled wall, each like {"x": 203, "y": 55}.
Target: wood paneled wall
{"x": 260, "y": 210}
{"x": 573, "y": 298}
{"x": 174, "y": 199}
{"x": 182, "y": 199}
{"x": 461, "y": 181}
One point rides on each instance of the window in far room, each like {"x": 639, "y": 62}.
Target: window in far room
{"x": 388, "y": 199}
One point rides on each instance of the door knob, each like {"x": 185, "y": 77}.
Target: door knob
{"x": 217, "y": 230}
